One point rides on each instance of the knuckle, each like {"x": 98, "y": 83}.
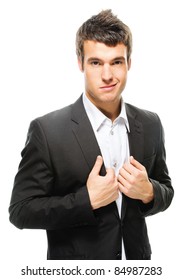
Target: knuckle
{"x": 132, "y": 181}
{"x": 138, "y": 174}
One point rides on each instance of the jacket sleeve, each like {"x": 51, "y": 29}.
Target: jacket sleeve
{"x": 160, "y": 179}
{"x": 33, "y": 204}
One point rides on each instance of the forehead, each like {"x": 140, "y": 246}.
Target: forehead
{"x": 102, "y": 51}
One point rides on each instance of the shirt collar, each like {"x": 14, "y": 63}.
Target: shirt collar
{"x": 97, "y": 118}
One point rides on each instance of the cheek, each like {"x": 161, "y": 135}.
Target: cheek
{"x": 120, "y": 74}
{"x": 92, "y": 77}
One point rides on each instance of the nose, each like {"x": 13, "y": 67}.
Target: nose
{"x": 107, "y": 74}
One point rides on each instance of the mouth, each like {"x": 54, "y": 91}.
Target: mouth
{"x": 108, "y": 87}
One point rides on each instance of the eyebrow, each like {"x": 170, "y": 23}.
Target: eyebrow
{"x": 93, "y": 58}
{"x": 99, "y": 59}
{"x": 119, "y": 58}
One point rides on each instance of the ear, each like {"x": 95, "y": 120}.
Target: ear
{"x": 129, "y": 64}
{"x": 80, "y": 64}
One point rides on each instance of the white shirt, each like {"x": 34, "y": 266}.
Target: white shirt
{"x": 112, "y": 139}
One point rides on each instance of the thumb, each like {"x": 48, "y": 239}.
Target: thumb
{"x": 97, "y": 166}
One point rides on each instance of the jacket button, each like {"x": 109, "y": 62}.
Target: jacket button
{"x": 118, "y": 256}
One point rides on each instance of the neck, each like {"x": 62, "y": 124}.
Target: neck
{"x": 111, "y": 111}
{"x": 110, "y": 108}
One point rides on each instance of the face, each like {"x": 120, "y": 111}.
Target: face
{"x": 105, "y": 72}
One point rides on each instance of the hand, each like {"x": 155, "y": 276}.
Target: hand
{"x": 134, "y": 182}
{"x": 102, "y": 189}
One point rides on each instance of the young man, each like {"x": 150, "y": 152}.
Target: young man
{"x": 91, "y": 172}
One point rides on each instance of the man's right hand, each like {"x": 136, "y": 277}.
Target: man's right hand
{"x": 102, "y": 189}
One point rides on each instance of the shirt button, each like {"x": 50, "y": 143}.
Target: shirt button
{"x": 112, "y": 132}
{"x": 114, "y": 165}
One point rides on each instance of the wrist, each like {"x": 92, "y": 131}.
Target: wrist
{"x": 150, "y": 194}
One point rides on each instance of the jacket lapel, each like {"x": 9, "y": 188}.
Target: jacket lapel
{"x": 84, "y": 134}
{"x": 136, "y": 141}
{"x": 135, "y": 136}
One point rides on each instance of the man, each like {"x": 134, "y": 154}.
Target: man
{"x": 91, "y": 172}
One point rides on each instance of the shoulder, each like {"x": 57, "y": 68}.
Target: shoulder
{"x": 147, "y": 121}
{"x": 57, "y": 121}
{"x": 141, "y": 114}
{"x": 50, "y": 124}
{"x": 55, "y": 116}
{"x": 62, "y": 115}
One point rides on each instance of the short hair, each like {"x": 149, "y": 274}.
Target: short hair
{"x": 104, "y": 28}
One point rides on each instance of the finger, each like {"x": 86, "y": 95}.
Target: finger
{"x": 125, "y": 174}
{"x": 136, "y": 163}
{"x": 129, "y": 168}
{"x": 123, "y": 181}
{"x": 97, "y": 166}
{"x": 123, "y": 189}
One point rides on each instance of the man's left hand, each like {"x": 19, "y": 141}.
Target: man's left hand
{"x": 134, "y": 182}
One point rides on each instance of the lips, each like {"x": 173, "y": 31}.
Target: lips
{"x": 108, "y": 87}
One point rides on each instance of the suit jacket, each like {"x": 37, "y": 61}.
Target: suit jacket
{"x": 50, "y": 187}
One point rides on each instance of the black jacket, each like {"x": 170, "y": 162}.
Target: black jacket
{"x": 50, "y": 187}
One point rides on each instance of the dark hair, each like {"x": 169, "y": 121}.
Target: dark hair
{"x": 104, "y": 28}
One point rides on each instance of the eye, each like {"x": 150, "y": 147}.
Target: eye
{"x": 95, "y": 63}
{"x": 118, "y": 62}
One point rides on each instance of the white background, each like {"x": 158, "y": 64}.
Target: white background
{"x": 39, "y": 74}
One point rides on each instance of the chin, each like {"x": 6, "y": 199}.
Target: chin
{"x": 109, "y": 97}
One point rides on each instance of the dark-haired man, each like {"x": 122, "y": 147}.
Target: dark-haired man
{"x": 91, "y": 172}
